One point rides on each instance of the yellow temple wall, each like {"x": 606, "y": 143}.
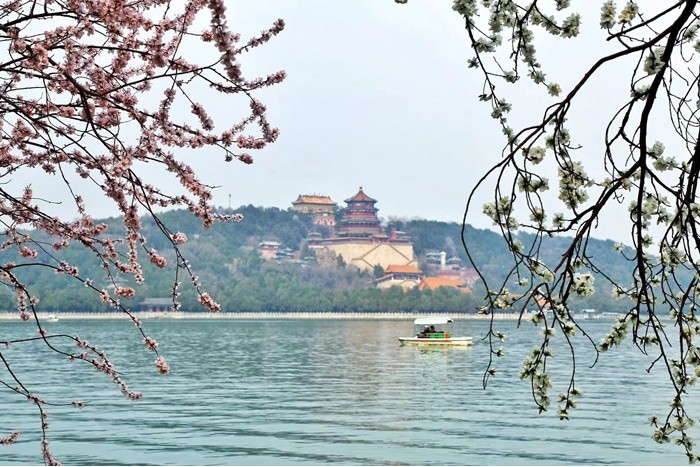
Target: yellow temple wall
{"x": 366, "y": 255}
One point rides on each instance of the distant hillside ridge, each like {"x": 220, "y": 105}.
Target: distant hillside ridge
{"x": 228, "y": 258}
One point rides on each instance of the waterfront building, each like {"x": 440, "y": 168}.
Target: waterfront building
{"x": 404, "y": 276}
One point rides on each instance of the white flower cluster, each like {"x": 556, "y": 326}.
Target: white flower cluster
{"x": 538, "y": 216}
{"x": 640, "y": 92}
{"x": 628, "y": 13}
{"x": 618, "y": 292}
{"x": 500, "y": 108}
{"x": 538, "y": 268}
{"x": 501, "y": 300}
{"x": 607, "y": 14}
{"x": 503, "y": 15}
{"x": 534, "y": 154}
{"x": 657, "y": 149}
{"x": 572, "y": 179}
{"x": 529, "y": 183}
{"x": 671, "y": 256}
{"x": 467, "y": 8}
{"x": 582, "y": 284}
{"x": 570, "y": 27}
{"x": 615, "y": 336}
{"x": 500, "y": 213}
{"x": 553, "y": 89}
{"x": 534, "y": 369}
{"x": 563, "y": 4}
{"x": 653, "y": 63}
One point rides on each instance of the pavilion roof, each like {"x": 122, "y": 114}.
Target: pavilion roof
{"x": 402, "y": 269}
{"x": 314, "y": 199}
{"x": 361, "y": 196}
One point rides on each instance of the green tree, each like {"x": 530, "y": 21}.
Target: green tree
{"x": 378, "y": 271}
{"x": 340, "y": 261}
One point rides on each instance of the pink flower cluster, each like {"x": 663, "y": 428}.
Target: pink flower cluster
{"x": 162, "y": 365}
{"x": 49, "y": 459}
{"x": 179, "y": 238}
{"x": 157, "y": 259}
{"x": 14, "y": 436}
{"x": 151, "y": 343}
{"x": 27, "y": 252}
{"x": 125, "y": 292}
{"x": 105, "y": 109}
{"x": 209, "y": 302}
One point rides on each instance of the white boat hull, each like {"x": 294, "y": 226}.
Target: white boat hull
{"x": 464, "y": 341}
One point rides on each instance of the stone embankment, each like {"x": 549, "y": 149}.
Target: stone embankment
{"x": 261, "y": 315}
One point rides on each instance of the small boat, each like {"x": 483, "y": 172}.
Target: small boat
{"x": 434, "y": 331}
{"x": 51, "y": 319}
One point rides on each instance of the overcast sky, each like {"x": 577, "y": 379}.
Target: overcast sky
{"x": 379, "y": 95}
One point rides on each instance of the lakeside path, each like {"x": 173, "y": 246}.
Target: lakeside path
{"x": 257, "y": 316}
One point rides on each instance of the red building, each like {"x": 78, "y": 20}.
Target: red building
{"x": 360, "y": 218}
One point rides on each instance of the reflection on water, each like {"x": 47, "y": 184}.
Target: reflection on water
{"x": 329, "y": 392}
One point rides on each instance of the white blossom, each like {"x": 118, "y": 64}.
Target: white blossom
{"x": 582, "y": 284}
{"x": 653, "y": 63}
{"x": 628, "y": 13}
{"x": 607, "y": 15}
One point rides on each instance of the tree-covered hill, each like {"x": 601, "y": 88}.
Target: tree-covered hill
{"x": 226, "y": 259}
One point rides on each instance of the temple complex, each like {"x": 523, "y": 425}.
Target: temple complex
{"x": 360, "y": 239}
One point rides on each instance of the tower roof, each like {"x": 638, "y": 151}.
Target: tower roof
{"x": 361, "y": 196}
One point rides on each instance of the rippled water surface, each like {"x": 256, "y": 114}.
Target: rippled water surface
{"x": 326, "y": 392}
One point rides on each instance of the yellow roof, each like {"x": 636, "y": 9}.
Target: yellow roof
{"x": 314, "y": 199}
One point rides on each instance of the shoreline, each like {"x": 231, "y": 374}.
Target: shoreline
{"x": 72, "y": 316}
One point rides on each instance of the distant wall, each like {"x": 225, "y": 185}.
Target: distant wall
{"x": 366, "y": 255}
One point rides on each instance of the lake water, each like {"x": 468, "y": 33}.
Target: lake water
{"x": 309, "y": 392}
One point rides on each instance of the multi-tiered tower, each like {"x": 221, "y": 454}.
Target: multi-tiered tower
{"x": 360, "y": 218}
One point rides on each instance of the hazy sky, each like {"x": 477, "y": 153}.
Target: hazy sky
{"x": 379, "y": 95}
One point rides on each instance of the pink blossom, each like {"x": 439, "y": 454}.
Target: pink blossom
{"x": 151, "y": 343}
{"x": 179, "y": 238}
{"x": 126, "y": 292}
{"x": 48, "y": 456}
{"x": 209, "y": 302}
{"x": 162, "y": 365}
{"x": 157, "y": 259}
{"x": 14, "y": 436}
{"x": 77, "y": 103}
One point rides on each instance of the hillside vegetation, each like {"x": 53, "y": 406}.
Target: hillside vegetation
{"x": 226, "y": 259}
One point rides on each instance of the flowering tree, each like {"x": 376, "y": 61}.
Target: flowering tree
{"x": 659, "y": 48}
{"x": 92, "y": 92}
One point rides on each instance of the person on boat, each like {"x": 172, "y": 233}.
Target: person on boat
{"x": 432, "y": 329}
{"x": 425, "y": 332}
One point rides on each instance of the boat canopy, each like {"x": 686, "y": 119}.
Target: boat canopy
{"x": 429, "y": 321}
